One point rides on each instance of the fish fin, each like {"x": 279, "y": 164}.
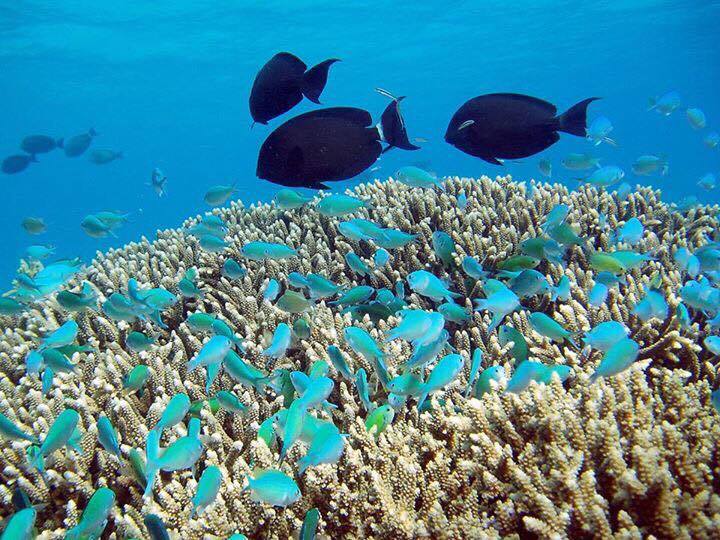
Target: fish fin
{"x": 315, "y": 78}
{"x": 574, "y": 120}
{"x": 421, "y": 400}
{"x": 492, "y": 160}
{"x": 610, "y": 141}
{"x": 392, "y": 127}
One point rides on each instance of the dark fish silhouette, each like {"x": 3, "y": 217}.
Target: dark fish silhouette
{"x": 77, "y": 145}
{"x": 39, "y": 144}
{"x": 329, "y": 145}
{"x": 281, "y": 83}
{"x": 17, "y": 163}
{"x": 512, "y": 126}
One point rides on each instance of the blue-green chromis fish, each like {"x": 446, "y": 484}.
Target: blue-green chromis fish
{"x": 139, "y": 342}
{"x": 327, "y": 447}
{"x": 363, "y": 388}
{"x": 381, "y": 257}
{"x": 475, "y": 365}
{"x": 418, "y": 178}
{"x": 107, "y": 436}
{"x": 444, "y": 247}
{"x": 406, "y": 384}
{"x": 337, "y": 205}
{"x": 529, "y": 371}
{"x": 207, "y": 490}
{"x": 454, "y": 313}
{"x": 65, "y": 335}
{"x": 60, "y": 434}
{"x": 174, "y": 412}
{"x": 488, "y": 380}
{"x": 549, "y": 328}
{"x": 244, "y": 373}
{"x": 555, "y": 217}
{"x": 155, "y": 527}
{"x": 20, "y": 525}
{"x": 136, "y": 379}
{"x": 212, "y": 243}
{"x": 617, "y": 359}
{"x": 380, "y": 418}
{"x": 280, "y": 342}
{"x": 212, "y": 352}
{"x": 445, "y": 371}
{"x": 182, "y": 454}
{"x": 94, "y": 518}
{"x": 356, "y": 295}
{"x": 218, "y": 195}
{"x": 427, "y": 284}
{"x": 356, "y": 264}
{"x": 261, "y": 251}
{"x": 507, "y": 334}
{"x": 273, "y": 487}
{"x": 473, "y": 268}
{"x": 500, "y": 303}
{"x": 9, "y": 430}
{"x": 653, "y": 306}
{"x": 289, "y": 199}
{"x": 606, "y": 334}
{"x": 339, "y": 363}
{"x": 308, "y": 530}
{"x": 301, "y": 329}
{"x": 231, "y": 269}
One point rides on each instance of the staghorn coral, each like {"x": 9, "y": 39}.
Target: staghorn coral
{"x": 627, "y": 457}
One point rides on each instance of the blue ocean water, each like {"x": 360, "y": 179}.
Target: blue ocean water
{"x": 167, "y": 83}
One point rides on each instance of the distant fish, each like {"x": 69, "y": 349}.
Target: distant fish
{"x": 288, "y": 199}
{"x": 218, "y": 195}
{"x": 649, "y": 164}
{"x": 545, "y": 168}
{"x": 281, "y": 84}
{"x": 95, "y": 227}
{"x": 712, "y": 140}
{"x": 33, "y": 225}
{"x": 605, "y": 176}
{"x": 39, "y": 144}
{"x": 77, "y": 145}
{"x": 631, "y": 232}
{"x": 580, "y": 162}
{"x": 623, "y": 191}
{"x": 102, "y": 156}
{"x": 157, "y": 182}
{"x": 696, "y": 118}
{"x": 17, "y": 163}
{"x": 511, "y": 126}
{"x": 708, "y": 182}
{"x": 665, "y": 104}
{"x": 599, "y": 130}
{"x": 329, "y": 145}
{"x": 337, "y": 205}
{"x": 416, "y": 177}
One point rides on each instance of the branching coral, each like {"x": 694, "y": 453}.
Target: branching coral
{"x": 626, "y": 457}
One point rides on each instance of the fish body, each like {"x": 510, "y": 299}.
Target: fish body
{"x": 445, "y": 371}
{"x": 77, "y": 145}
{"x": 60, "y": 434}
{"x": 712, "y": 140}
{"x": 182, "y": 454}
{"x": 338, "y": 205}
{"x": 231, "y": 269}
{"x": 406, "y": 384}
{"x": 39, "y": 252}
{"x": 243, "y": 372}
{"x": 599, "y": 130}
{"x": 361, "y": 383}
{"x": 520, "y": 350}
{"x": 107, "y": 436}
{"x": 139, "y": 342}
{"x": 549, "y": 328}
{"x": 64, "y": 335}
{"x": 293, "y": 302}
{"x": 156, "y": 528}
{"x": 617, "y": 358}
{"x": 665, "y": 104}
{"x": 327, "y": 447}
{"x": 393, "y": 238}
{"x": 606, "y": 334}
{"x": 20, "y": 525}
{"x": 281, "y": 84}
{"x": 39, "y": 144}
{"x": 174, "y": 412}
{"x": 631, "y": 232}
{"x": 289, "y": 199}
{"x": 529, "y": 371}
{"x": 273, "y": 487}
{"x": 647, "y": 165}
{"x": 416, "y": 177}
{"x": 136, "y": 379}
{"x": 379, "y": 419}
{"x": 95, "y": 516}
{"x": 580, "y": 162}
{"x": 261, "y": 251}
{"x": 338, "y": 361}
{"x": 11, "y": 307}
{"x": 272, "y": 289}
{"x": 17, "y": 163}
{"x": 444, "y": 247}
{"x": 454, "y": 313}
{"x": 511, "y": 126}
{"x": 529, "y": 283}
{"x": 708, "y": 182}
{"x": 545, "y": 168}
{"x": 652, "y": 306}
{"x": 356, "y": 295}
{"x": 157, "y": 182}
{"x": 320, "y": 287}
{"x": 10, "y": 431}
{"x": 301, "y": 329}
{"x": 280, "y": 342}
{"x": 712, "y": 344}
{"x": 356, "y": 264}
{"x": 428, "y": 284}
{"x": 499, "y": 303}
{"x": 230, "y": 402}
{"x": 605, "y": 176}
{"x": 207, "y": 489}
{"x": 328, "y": 145}
{"x": 381, "y": 257}
{"x": 212, "y": 352}
{"x": 219, "y": 195}
{"x": 309, "y": 527}
{"x": 487, "y": 380}
{"x": 33, "y": 225}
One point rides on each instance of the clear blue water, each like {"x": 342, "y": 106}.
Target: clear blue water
{"x": 167, "y": 83}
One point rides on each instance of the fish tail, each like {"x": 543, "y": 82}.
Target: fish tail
{"x": 303, "y": 464}
{"x": 315, "y": 78}
{"x": 392, "y": 127}
{"x": 421, "y": 400}
{"x": 574, "y": 120}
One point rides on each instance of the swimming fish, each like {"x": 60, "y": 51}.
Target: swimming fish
{"x": 212, "y": 352}
{"x": 293, "y": 302}
{"x": 517, "y": 263}
{"x": 39, "y": 144}
{"x": 696, "y": 118}
{"x": 139, "y": 342}
{"x": 174, "y": 412}
{"x": 20, "y": 525}
{"x": 379, "y": 419}
{"x": 393, "y": 238}
{"x": 273, "y": 487}
{"x": 157, "y": 182}
{"x": 647, "y": 165}
{"x": 548, "y": 327}
{"x": 243, "y": 372}
{"x": 605, "y": 176}
{"x": 281, "y": 84}
{"x": 107, "y": 436}
{"x": 580, "y": 162}
{"x": 280, "y": 342}
{"x": 708, "y": 182}
{"x": 60, "y": 434}
{"x": 381, "y": 257}
{"x": 511, "y": 126}
{"x": 337, "y": 205}
{"x": 136, "y": 379}
{"x": 77, "y": 145}
{"x": 617, "y": 358}
{"x": 545, "y": 168}
{"x": 652, "y": 306}
{"x": 462, "y": 201}
{"x": 356, "y": 264}
{"x": 665, "y": 104}
{"x": 64, "y": 335}
{"x": 219, "y": 195}
{"x": 476, "y": 362}
{"x": 500, "y": 303}
{"x": 181, "y": 454}
{"x": 103, "y": 156}
{"x": 427, "y": 284}
{"x": 416, "y": 177}
{"x": 631, "y": 232}
{"x": 76, "y": 302}
{"x": 418, "y": 326}
{"x": 529, "y": 283}
{"x": 95, "y": 227}
{"x": 339, "y": 363}
{"x": 519, "y": 350}
{"x": 11, "y": 307}
{"x": 454, "y": 313}
{"x": 473, "y": 268}
{"x": 327, "y": 447}
{"x": 363, "y": 344}
{"x": 488, "y": 380}
{"x": 606, "y": 334}
{"x": 156, "y": 528}
{"x": 95, "y": 516}
{"x": 17, "y": 163}
{"x": 445, "y": 371}
{"x": 712, "y": 344}
{"x": 289, "y": 199}
{"x": 356, "y": 295}
{"x": 260, "y": 251}
{"x": 361, "y": 383}
{"x": 9, "y": 430}
{"x": 328, "y": 145}
{"x": 271, "y": 291}
{"x": 230, "y": 402}
{"x": 712, "y": 140}
{"x": 207, "y": 489}
{"x": 529, "y": 371}
{"x": 309, "y": 526}
{"x": 320, "y": 287}
{"x": 301, "y": 329}
{"x": 683, "y": 316}
{"x": 33, "y": 225}
{"x": 231, "y": 269}
{"x": 599, "y": 130}
{"x": 187, "y": 286}
{"x": 444, "y": 247}
{"x": 561, "y": 291}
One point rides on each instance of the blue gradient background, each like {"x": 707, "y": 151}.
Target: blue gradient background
{"x": 167, "y": 83}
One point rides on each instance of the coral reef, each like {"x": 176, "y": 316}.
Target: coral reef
{"x": 626, "y": 457}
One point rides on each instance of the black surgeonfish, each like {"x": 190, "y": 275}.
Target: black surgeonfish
{"x": 512, "y": 126}
{"x": 329, "y": 145}
{"x": 281, "y": 83}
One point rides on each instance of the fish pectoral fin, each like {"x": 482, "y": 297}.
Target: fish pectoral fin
{"x": 493, "y": 160}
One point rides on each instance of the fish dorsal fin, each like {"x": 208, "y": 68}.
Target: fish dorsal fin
{"x": 529, "y": 99}
{"x": 289, "y": 59}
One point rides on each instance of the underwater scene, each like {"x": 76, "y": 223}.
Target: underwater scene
{"x": 383, "y": 270}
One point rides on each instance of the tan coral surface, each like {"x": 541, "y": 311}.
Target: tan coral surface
{"x": 633, "y": 456}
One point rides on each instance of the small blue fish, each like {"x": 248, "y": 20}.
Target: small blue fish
{"x": 363, "y": 344}
{"x": 475, "y": 365}
{"x": 683, "y": 316}
{"x": 623, "y": 191}
{"x": 545, "y": 168}
{"x": 488, "y": 380}
{"x": 392, "y": 238}
{"x": 445, "y": 371}
{"x": 423, "y": 354}
{"x": 326, "y": 448}
{"x": 262, "y": 251}
{"x": 288, "y": 199}
{"x": 500, "y": 303}
{"x": 10, "y": 431}
{"x": 60, "y": 434}
{"x": 617, "y": 359}
{"x": 107, "y": 436}
{"x": 428, "y": 284}
{"x": 180, "y": 455}
{"x": 665, "y": 104}
{"x": 361, "y": 383}
{"x": 309, "y": 527}
{"x": 444, "y": 247}
{"x": 529, "y": 283}
{"x": 454, "y": 313}
{"x": 712, "y": 140}
{"x": 598, "y": 294}
{"x": 416, "y": 177}
{"x": 548, "y": 327}
{"x": 212, "y": 243}
{"x": 381, "y": 257}
{"x": 605, "y": 176}
{"x": 653, "y": 306}
{"x": 174, "y": 412}
{"x": 20, "y": 525}
{"x": 212, "y": 352}
{"x": 555, "y": 217}
{"x": 231, "y": 269}
{"x": 356, "y": 295}
{"x": 708, "y": 182}
{"x": 606, "y": 334}
{"x": 273, "y": 487}
{"x": 356, "y": 264}
{"x": 95, "y": 516}
{"x": 156, "y": 528}
{"x": 338, "y": 361}
{"x": 529, "y": 371}
{"x": 337, "y": 205}
{"x": 462, "y": 201}
{"x": 473, "y": 268}
{"x": 65, "y": 335}
{"x": 712, "y": 344}
{"x": 561, "y": 291}
{"x": 599, "y": 130}
{"x": 272, "y": 289}
{"x": 320, "y": 287}
{"x": 631, "y": 232}
{"x": 207, "y": 490}
{"x": 414, "y": 325}
{"x": 280, "y": 342}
